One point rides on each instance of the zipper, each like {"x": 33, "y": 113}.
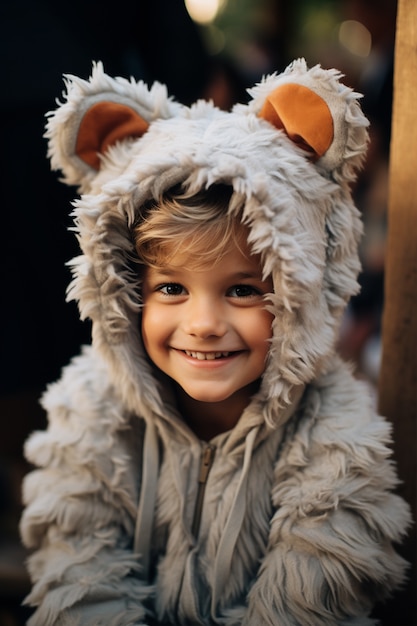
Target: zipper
{"x": 207, "y": 457}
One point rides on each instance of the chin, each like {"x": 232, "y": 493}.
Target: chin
{"x": 242, "y": 394}
{"x": 208, "y": 398}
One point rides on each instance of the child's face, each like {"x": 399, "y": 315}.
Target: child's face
{"x": 208, "y": 328}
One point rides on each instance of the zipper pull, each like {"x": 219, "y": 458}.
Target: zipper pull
{"x": 206, "y": 462}
{"x": 205, "y": 466}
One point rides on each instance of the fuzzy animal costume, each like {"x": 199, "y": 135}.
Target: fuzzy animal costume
{"x": 299, "y": 513}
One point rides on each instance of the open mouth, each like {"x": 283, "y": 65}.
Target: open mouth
{"x": 207, "y": 356}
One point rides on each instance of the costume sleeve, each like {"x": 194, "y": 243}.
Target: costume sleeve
{"x": 80, "y": 506}
{"x": 330, "y": 556}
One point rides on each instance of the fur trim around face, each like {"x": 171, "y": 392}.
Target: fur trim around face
{"x": 289, "y": 155}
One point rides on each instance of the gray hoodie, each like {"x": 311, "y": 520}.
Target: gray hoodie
{"x": 297, "y": 515}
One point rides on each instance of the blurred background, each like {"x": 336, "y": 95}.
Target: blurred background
{"x": 199, "y": 48}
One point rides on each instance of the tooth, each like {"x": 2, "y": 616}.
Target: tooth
{"x": 206, "y": 356}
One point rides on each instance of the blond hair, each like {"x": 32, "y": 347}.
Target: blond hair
{"x": 199, "y": 226}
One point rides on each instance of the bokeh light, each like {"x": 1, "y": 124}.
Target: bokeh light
{"x": 203, "y": 11}
{"x": 355, "y": 37}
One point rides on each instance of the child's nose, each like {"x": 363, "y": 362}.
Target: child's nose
{"x": 205, "y": 318}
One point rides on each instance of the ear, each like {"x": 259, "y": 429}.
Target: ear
{"x": 318, "y": 113}
{"x": 97, "y": 114}
{"x": 104, "y": 124}
{"x": 303, "y": 115}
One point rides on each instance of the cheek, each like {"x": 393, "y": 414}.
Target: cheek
{"x": 149, "y": 330}
{"x": 156, "y": 327}
{"x": 259, "y": 332}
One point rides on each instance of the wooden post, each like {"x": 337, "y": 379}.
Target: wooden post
{"x": 398, "y": 376}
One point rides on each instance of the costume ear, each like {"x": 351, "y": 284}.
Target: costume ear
{"x": 318, "y": 113}
{"x": 97, "y": 114}
{"x": 103, "y": 125}
{"x": 303, "y": 115}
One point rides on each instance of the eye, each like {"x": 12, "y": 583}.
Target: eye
{"x": 243, "y": 291}
{"x": 171, "y": 289}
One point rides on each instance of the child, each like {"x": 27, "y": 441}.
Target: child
{"x": 210, "y": 459}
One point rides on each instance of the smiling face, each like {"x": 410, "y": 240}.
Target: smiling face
{"x": 208, "y": 329}
{"x": 204, "y": 321}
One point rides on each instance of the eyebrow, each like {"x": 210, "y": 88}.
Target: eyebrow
{"x": 169, "y": 271}
{"x": 166, "y": 271}
{"x": 250, "y": 275}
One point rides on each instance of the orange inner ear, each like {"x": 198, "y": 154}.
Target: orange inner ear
{"x": 305, "y": 117}
{"x": 103, "y": 125}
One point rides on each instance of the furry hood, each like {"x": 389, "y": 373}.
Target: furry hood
{"x": 290, "y": 154}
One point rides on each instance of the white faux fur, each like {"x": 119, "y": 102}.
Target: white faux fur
{"x": 314, "y": 545}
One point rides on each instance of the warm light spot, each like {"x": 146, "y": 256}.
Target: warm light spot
{"x": 355, "y": 37}
{"x": 203, "y": 11}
